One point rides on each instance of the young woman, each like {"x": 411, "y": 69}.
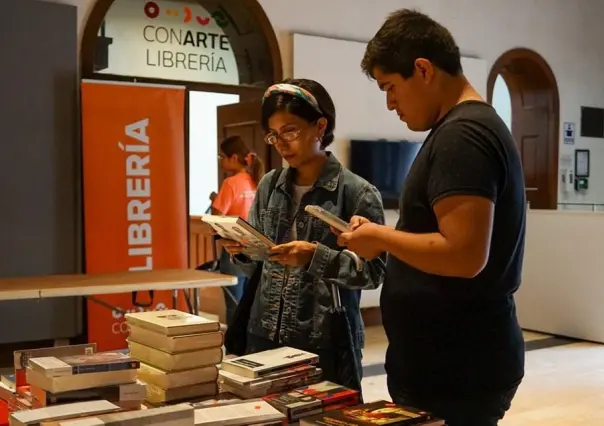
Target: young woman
{"x": 294, "y": 297}
{"x": 235, "y": 199}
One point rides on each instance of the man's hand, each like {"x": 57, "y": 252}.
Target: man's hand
{"x": 354, "y": 223}
{"x": 362, "y": 240}
{"x": 296, "y": 253}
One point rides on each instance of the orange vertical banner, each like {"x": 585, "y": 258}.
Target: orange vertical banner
{"x": 135, "y": 215}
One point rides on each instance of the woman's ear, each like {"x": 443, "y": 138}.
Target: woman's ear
{"x": 322, "y": 126}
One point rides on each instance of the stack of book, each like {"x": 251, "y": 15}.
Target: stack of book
{"x": 14, "y": 389}
{"x": 313, "y": 399}
{"x": 179, "y": 354}
{"x": 99, "y": 376}
{"x": 269, "y": 372}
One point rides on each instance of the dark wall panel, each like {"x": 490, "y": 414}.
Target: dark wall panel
{"x": 40, "y": 225}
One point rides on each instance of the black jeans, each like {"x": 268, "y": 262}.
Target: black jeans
{"x": 475, "y": 410}
{"x": 327, "y": 357}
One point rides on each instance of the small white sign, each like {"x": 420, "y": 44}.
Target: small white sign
{"x": 569, "y": 133}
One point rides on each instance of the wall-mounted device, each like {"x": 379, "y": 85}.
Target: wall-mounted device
{"x": 581, "y": 169}
{"x": 568, "y": 179}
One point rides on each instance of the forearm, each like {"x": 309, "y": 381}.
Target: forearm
{"x": 430, "y": 253}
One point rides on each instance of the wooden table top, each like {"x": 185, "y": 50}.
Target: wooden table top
{"x": 38, "y": 287}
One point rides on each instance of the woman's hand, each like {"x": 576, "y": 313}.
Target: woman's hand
{"x": 296, "y": 253}
{"x": 232, "y": 247}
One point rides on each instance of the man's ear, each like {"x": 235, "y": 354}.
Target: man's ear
{"x": 424, "y": 69}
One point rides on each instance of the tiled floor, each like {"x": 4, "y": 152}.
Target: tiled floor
{"x": 563, "y": 385}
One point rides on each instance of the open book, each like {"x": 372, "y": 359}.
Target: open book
{"x": 237, "y": 229}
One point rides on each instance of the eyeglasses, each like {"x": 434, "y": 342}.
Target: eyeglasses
{"x": 288, "y": 136}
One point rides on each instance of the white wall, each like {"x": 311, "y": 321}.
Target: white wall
{"x": 203, "y": 147}
{"x": 360, "y": 106}
{"x": 566, "y": 33}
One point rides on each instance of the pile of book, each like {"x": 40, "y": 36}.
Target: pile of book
{"x": 179, "y": 353}
{"x": 15, "y": 392}
{"x": 269, "y": 372}
{"x": 108, "y": 376}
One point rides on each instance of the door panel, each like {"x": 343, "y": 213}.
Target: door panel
{"x": 243, "y": 119}
{"x": 532, "y": 118}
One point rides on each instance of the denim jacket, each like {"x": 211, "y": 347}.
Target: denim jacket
{"x": 292, "y": 305}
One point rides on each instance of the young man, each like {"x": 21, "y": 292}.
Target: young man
{"x": 455, "y": 256}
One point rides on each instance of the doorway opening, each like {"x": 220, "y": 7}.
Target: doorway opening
{"x": 531, "y": 107}
{"x": 225, "y": 53}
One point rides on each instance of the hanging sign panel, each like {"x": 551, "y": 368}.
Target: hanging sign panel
{"x": 135, "y": 215}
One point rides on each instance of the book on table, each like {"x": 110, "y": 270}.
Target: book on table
{"x": 263, "y": 363}
{"x": 379, "y": 413}
{"x": 172, "y": 322}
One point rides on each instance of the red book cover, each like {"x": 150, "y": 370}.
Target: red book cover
{"x": 329, "y": 393}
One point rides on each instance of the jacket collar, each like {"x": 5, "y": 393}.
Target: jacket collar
{"x": 328, "y": 179}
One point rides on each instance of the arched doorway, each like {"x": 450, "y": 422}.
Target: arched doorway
{"x": 211, "y": 47}
{"x": 535, "y": 120}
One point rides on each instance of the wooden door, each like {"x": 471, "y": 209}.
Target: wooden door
{"x": 243, "y": 119}
{"x": 535, "y": 116}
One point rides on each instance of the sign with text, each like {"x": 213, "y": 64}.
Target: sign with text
{"x": 171, "y": 40}
{"x": 135, "y": 216}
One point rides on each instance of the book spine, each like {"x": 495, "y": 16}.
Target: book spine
{"x": 105, "y": 368}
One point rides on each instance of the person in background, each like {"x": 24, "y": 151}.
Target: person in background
{"x": 235, "y": 199}
{"x": 455, "y": 257}
{"x": 294, "y": 296}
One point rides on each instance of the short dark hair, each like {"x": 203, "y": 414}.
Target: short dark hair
{"x": 406, "y": 36}
{"x": 301, "y": 108}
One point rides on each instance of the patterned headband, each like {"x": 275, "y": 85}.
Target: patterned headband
{"x": 296, "y": 91}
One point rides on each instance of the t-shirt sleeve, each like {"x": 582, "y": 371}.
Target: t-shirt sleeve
{"x": 225, "y": 197}
{"x": 465, "y": 160}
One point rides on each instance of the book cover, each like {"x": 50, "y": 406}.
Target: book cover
{"x": 175, "y": 344}
{"x": 377, "y": 413}
{"x": 268, "y": 379}
{"x": 172, "y": 322}
{"x": 244, "y": 413}
{"x": 100, "y": 362}
{"x": 175, "y": 362}
{"x": 329, "y": 393}
{"x": 177, "y": 379}
{"x": 262, "y": 363}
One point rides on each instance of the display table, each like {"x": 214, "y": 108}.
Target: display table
{"x": 41, "y": 287}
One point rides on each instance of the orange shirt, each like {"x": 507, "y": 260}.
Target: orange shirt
{"x": 236, "y": 195}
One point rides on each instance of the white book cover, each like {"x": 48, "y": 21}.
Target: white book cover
{"x": 64, "y": 411}
{"x": 236, "y": 229}
{"x": 244, "y": 413}
{"x": 172, "y": 322}
{"x": 262, "y": 363}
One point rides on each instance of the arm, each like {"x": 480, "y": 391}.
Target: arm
{"x": 222, "y": 202}
{"x": 467, "y": 173}
{"x": 335, "y": 267}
